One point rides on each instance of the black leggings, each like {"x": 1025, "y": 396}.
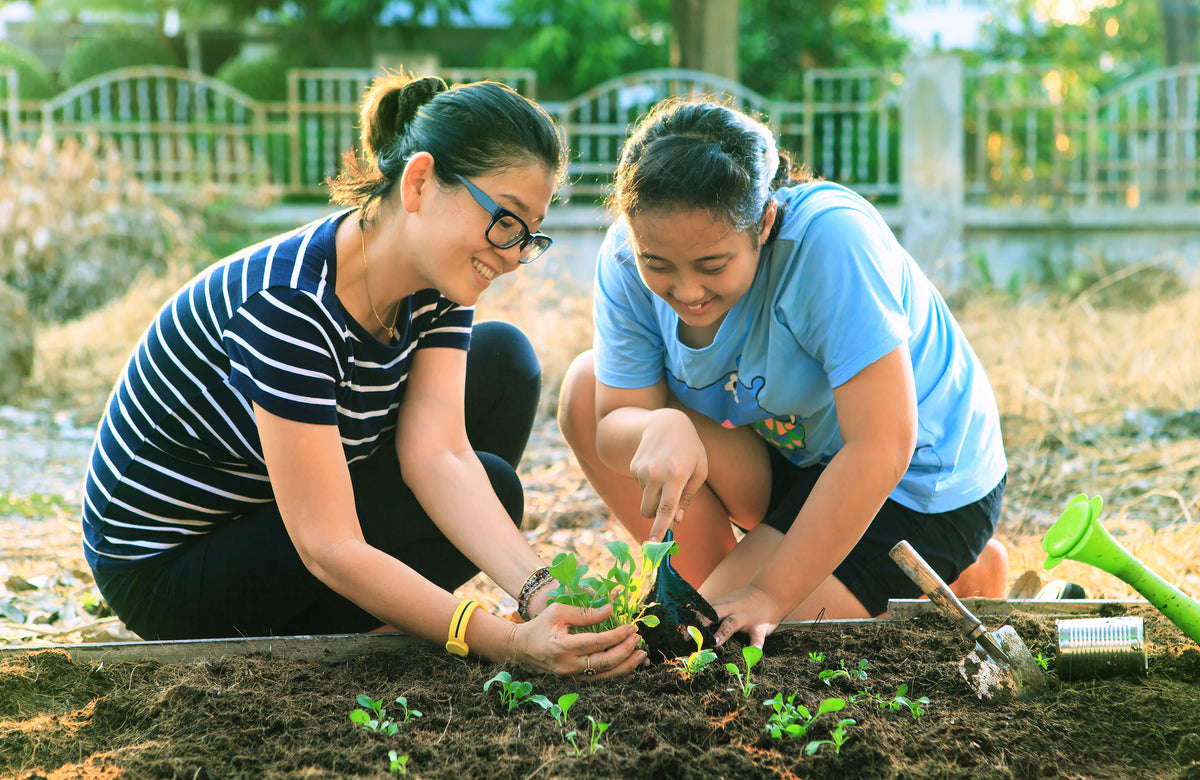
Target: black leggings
{"x": 245, "y": 578}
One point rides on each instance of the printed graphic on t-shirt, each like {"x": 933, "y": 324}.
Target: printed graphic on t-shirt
{"x": 734, "y": 403}
{"x": 786, "y": 433}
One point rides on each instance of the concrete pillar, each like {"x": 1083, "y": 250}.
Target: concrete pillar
{"x": 932, "y": 169}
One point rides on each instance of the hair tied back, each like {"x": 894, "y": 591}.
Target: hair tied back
{"x": 415, "y": 94}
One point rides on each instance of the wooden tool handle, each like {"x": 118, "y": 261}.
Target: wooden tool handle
{"x": 932, "y": 585}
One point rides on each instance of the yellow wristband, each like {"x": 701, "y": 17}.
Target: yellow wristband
{"x": 457, "y": 641}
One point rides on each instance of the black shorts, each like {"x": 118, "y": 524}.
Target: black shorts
{"x": 948, "y": 541}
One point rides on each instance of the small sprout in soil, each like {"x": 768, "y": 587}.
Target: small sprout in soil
{"x": 558, "y": 710}
{"x": 1043, "y": 662}
{"x": 594, "y": 733}
{"x": 816, "y": 657}
{"x": 829, "y": 675}
{"x": 901, "y": 699}
{"x": 403, "y": 702}
{"x": 837, "y": 738}
{"x": 514, "y": 693}
{"x": 793, "y": 719}
{"x": 752, "y": 655}
{"x": 624, "y": 585}
{"x": 698, "y": 661}
{"x": 373, "y": 717}
{"x": 399, "y": 763}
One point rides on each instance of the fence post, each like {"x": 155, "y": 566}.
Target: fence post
{"x": 932, "y": 176}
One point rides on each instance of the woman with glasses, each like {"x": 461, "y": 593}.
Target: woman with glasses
{"x": 303, "y": 443}
{"x": 768, "y": 358}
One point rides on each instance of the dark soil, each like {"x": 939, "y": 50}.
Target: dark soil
{"x": 261, "y": 717}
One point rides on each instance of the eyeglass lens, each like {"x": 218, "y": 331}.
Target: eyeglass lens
{"x": 507, "y": 230}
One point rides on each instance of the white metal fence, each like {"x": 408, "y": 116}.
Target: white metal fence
{"x": 1033, "y": 137}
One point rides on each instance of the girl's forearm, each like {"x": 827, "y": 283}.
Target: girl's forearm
{"x": 844, "y": 501}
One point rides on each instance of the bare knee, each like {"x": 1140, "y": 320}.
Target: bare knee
{"x": 987, "y": 576}
{"x": 577, "y": 404}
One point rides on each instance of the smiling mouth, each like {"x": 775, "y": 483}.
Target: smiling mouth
{"x": 695, "y": 308}
{"x": 483, "y": 270}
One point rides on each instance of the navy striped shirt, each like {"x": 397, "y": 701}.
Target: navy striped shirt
{"x": 177, "y": 452}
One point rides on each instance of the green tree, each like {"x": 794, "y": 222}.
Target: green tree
{"x": 577, "y": 44}
{"x": 1106, "y": 45}
{"x": 781, "y": 39}
{"x": 706, "y": 36}
{"x": 344, "y": 29}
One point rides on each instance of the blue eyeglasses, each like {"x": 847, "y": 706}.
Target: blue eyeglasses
{"x": 506, "y": 229}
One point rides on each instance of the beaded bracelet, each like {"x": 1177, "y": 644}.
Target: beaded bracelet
{"x": 533, "y": 583}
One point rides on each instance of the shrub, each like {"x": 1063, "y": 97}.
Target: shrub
{"x": 75, "y": 228}
{"x": 89, "y": 57}
{"x": 34, "y": 80}
{"x": 263, "y": 79}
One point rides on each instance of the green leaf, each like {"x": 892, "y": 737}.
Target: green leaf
{"x": 365, "y": 701}
{"x": 564, "y": 568}
{"x": 360, "y": 716}
{"x": 504, "y": 678}
{"x": 654, "y": 552}
{"x": 831, "y": 705}
{"x": 752, "y": 655}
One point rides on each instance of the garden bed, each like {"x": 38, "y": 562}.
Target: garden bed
{"x": 279, "y": 715}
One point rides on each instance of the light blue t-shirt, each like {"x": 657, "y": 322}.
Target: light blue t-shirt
{"x": 833, "y": 293}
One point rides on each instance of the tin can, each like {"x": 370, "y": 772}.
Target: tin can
{"x": 1100, "y": 647}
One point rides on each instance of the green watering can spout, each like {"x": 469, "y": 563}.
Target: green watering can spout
{"x": 1078, "y": 535}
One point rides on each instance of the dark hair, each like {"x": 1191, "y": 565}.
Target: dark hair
{"x": 689, "y": 153}
{"x": 470, "y": 129}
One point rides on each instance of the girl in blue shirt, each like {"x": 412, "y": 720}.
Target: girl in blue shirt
{"x": 768, "y": 358}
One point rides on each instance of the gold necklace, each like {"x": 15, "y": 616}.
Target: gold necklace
{"x": 390, "y": 329}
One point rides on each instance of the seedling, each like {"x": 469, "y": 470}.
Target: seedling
{"x": 408, "y": 713}
{"x": 816, "y": 657}
{"x": 698, "y": 661}
{"x": 624, "y": 585}
{"x": 837, "y": 737}
{"x": 558, "y": 710}
{"x": 901, "y": 699}
{"x": 514, "y": 693}
{"x": 399, "y": 763}
{"x": 1043, "y": 662}
{"x": 751, "y": 655}
{"x": 593, "y": 744}
{"x": 829, "y": 675}
{"x": 373, "y": 717}
{"x": 793, "y": 719}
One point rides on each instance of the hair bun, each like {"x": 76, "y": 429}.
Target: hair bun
{"x": 415, "y": 94}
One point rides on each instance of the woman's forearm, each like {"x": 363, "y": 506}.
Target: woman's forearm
{"x": 454, "y": 490}
{"x": 400, "y": 597}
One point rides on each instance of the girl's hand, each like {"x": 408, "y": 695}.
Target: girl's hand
{"x": 546, "y": 644}
{"x": 671, "y": 465}
{"x": 747, "y": 609}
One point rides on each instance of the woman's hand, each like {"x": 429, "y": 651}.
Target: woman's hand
{"x": 546, "y": 644}
{"x": 670, "y": 465}
{"x": 747, "y": 609}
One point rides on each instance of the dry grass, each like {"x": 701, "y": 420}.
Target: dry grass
{"x": 1071, "y": 380}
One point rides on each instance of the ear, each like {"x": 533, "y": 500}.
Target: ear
{"x": 768, "y": 221}
{"x": 416, "y": 180}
